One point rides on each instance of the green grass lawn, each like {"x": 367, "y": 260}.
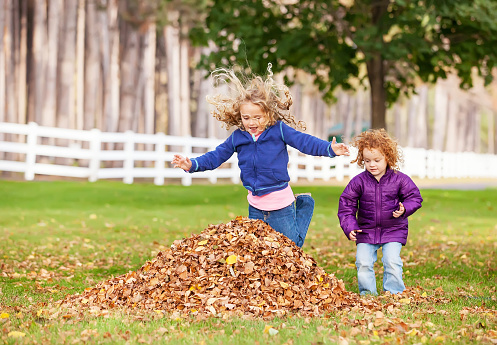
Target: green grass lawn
{"x": 58, "y": 238}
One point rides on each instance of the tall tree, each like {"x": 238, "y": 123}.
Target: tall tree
{"x": 49, "y": 106}
{"x": 66, "y": 100}
{"x": 109, "y": 45}
{"x": 92, "y": 99}
{"x": 22, "y": 62}
{"x": 10, "y": 75}
{"x": 398, "y": 41}
{"x": 2, "y": 63}
{"x": 80, "y": 64}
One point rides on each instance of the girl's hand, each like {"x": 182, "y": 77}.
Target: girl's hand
{"x": 339, "y": 149}
{"x": 182, "y": 162}
{"x": 353, "y": 235}
{"x": 400, "y": 211}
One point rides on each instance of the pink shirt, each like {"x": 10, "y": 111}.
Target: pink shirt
{"x": 272, "y": 201}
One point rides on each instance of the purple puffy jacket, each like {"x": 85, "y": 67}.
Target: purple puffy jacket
{"x": 367, "y": 205}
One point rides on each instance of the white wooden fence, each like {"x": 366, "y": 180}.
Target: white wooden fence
{"x": 93, "y": 155}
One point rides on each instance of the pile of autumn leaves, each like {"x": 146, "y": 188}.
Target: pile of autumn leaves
{"x": 243, "y": 266}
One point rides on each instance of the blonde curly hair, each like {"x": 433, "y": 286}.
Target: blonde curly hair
{"x": 273, "y": 98}
{"x": 380, "y": 140}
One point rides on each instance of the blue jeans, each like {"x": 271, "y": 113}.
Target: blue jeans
{"x": 392, "y": 265}
{"x": 292, "y": 221}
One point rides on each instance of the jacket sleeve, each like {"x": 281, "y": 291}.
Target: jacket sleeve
{"x": 347, "y": 207}
{"x": 410, "y": 196}
{"x": 213, "y": 159}
{"x": 305, "y": 143}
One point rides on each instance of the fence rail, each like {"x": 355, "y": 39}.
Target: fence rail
{"x": 36, "y": 150}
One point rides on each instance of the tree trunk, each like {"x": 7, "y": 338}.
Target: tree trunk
{"x": 149, "y": 78}
{"x": 161, "y": 86}
{"x": 397, "y": 115}
{"x": 110, "y": 65}
{"x": 10, "y": 65}
{"x": 376, "y": 69}
{"x": 200, "y": 91}
{"x": 65, "y": 95}
{"x": 2, "y": 63}
{"x": 21, "y": 77}
{"x": 411, "y": 120}
{"x": 421, "y": 129}
{"x": 453, "y": 112}
{"x": 80, "y": 64}
{"x": 93, "y": 87}
{"x": 171, "y": 34}
{"x": 490, "y": 132}
{"x": 359, "y": 112}
{"x": 185, "y": 83}
{"x": 321, "y": 125}
{"x": 129, "y": 77}
{"x": 477, "y": 120}
{"x": 492, "y": 124}
{"x": 440, "y": 122}
{"x": 296, "y": 91}
{"x": 305, "y": 109}
{"x": 49, "y": 108}
{"x": 345, "y": 110}
{"x": 376, "y": 76}
{"x": 462, "y": 128}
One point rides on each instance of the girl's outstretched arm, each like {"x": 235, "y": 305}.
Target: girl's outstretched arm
{"x": 182, "y": 162}
{"x": 340, "y": 149}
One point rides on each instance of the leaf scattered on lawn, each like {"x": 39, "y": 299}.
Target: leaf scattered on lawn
{"x": 16, "y": 334}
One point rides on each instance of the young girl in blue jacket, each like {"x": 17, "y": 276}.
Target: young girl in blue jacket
{"x": 261, "y": 111}
{"x": 374, "y": 207}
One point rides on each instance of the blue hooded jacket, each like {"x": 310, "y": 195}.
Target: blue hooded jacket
{"x": 263, "y": 163}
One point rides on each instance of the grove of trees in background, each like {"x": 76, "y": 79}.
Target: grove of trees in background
{"x": 122, "y": 65}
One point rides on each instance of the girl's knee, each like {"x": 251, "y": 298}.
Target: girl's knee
{"x": 392, "y": 262}
{"x": 364, "y": 262}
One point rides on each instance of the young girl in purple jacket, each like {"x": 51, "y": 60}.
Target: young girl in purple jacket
{"x": 261, "y": 111}
{"x": 374, "y": 207}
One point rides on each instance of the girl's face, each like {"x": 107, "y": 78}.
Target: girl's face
{"x": 375, "y": 162}
{"x": 254, "y": 119}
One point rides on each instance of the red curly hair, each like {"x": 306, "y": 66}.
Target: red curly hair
{"x": 380, "y": 140}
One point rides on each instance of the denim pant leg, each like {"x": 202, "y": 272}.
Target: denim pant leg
{"x": 304, "y": 205}
{"x": 366, "y": 256}
{"x": 392, "y": 267}
{"x": 283, "y": 220}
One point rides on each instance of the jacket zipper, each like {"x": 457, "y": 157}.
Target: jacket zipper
{"x": 255, "y": 166}
{"x": 377, "y": 234}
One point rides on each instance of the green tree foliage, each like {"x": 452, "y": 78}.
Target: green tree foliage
{"x": 399, "y": 41}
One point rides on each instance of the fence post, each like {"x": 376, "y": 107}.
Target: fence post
{"x": 326, "y": 168}
{"x": 423, "y": 163}
{"x": 160, "y": 148}
{"x": 213, "y": 177}
{"x": 235, "y": 178}
{"x": 340, "y": 167}
{"x": 187, "y": 152}
{"x": 430, "y": 164}
{"x": 129, "y": 162}
{"x": 31, "y": 142}
{"x": 309, "y": 167}
{"x": 294, "y": 165}
{"x": 95, "y": 147}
